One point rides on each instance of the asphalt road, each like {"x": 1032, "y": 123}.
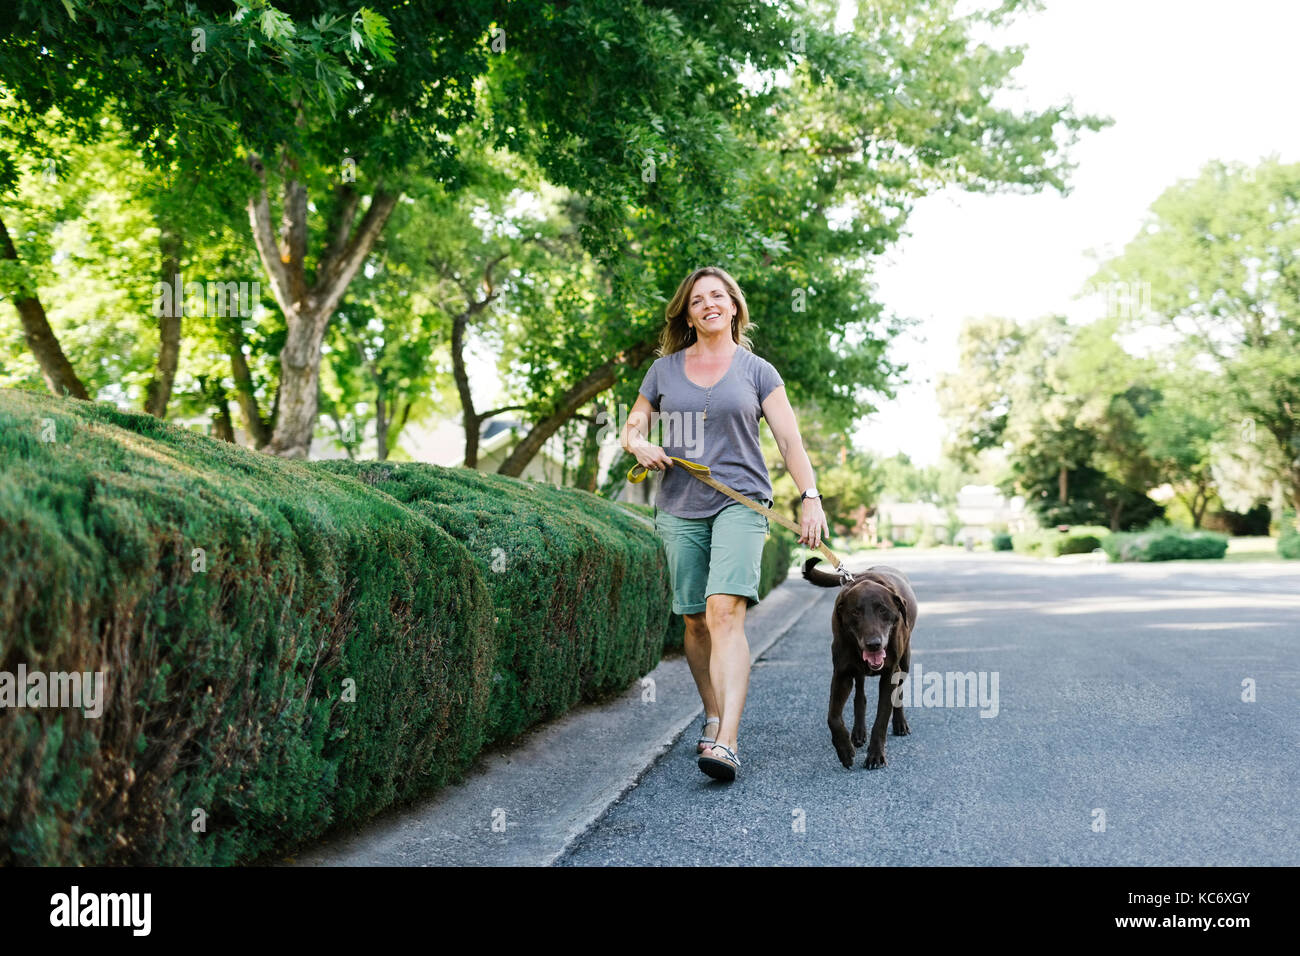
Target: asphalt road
{"x": 1120, "y": 736}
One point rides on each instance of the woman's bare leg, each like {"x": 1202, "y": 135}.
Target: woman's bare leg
{"x": 729, "y": 661}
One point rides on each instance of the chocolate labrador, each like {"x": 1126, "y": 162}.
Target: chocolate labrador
{"x": 871, "y": 630}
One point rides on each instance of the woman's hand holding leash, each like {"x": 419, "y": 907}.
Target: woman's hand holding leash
{"x": 813, "y": 523}
{"x": 652, "y": 457}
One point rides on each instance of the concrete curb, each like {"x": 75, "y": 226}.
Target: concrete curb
{"x": 527, "y": 805}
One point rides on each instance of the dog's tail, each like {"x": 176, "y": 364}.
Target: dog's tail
{"x": 823, "y": 579}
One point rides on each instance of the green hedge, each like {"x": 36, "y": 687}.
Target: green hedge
{"x": 1165, "y": 544}
{"x": 1002, "y": 541}
{"x": 328, "y": 653}
{"x": 579, "y": 587}
{"x": 1049, "y": 542}
{"x": 225, "y": 679}
{"x": 778, "y": 552}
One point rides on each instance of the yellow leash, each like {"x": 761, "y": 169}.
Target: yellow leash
{"x": 639, "y": 472}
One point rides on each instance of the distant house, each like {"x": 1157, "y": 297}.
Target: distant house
{"x": 905, "y": 520}
{"x": 980, "y": 509}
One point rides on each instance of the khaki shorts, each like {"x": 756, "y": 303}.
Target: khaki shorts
{"x": 718, "y": 555}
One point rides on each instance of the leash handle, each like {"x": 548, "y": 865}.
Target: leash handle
{"x": 639, "y": 471}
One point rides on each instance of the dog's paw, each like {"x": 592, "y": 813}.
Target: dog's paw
{"x": 859, "y": 735}
{"x": 901, "y": 728}
{"x": 875, "y": 758}
{"x": 844, "y": 750}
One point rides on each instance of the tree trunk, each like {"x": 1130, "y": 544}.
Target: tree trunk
{"x": 308, "y": 308}
{"x": 598, "y": 380}
{"x": 1116, "y": 511}
{"x": 299, "y": 396}
{"x": 381, "y": 423}
{"x": 224, "y": 426}
{"x": 159, "y": 390}
{"x": 1198, "y": 511}
{"x": 259, "y": 432}
{"x": 57, "y": 371}
{"x": 1063, "y": 485}
{"x": 471, "y": 420}
{"x": 589, "y": 468}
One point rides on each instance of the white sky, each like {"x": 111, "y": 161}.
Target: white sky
{"x": 1186, "y": 81}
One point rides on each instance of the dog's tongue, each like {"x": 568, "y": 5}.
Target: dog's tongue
{"x": 876, "y": 659}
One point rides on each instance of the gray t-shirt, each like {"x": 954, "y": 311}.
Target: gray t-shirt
{"x": 715, "y": 426}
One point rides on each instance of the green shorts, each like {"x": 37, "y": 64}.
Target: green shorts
{"x": 718, "y": 555}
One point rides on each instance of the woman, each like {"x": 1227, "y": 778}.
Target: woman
{"x": 710, "y": 391}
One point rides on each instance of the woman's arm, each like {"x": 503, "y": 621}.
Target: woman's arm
{"x": 780, "y": 418}
{"x": 633, "y": 437}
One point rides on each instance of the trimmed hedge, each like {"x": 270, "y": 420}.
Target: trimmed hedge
{"x": 1049, "y": 542}
{"x": 1002, "y": 541}
{"x": 778, "y": 552}
{"x": 286, "y": 648}
{"x": 226, "y": 666}
{"x": 578, "y": 585}
{"x": 1166, "y": 544}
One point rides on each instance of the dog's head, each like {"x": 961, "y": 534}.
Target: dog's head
{"x": 871, "y": 615}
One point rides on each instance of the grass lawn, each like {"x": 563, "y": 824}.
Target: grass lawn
{"x": 1252, "y": 549}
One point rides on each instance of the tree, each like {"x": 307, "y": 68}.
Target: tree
{"x": 1217, "y": 260}
{"x": 868, "y": 122}
{"x": 976, "y": 400}
{"x": 1183, "y": 435}
{"x": 1068, "y": 403}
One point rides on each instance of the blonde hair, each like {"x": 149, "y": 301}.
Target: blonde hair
{"x": 677, "y": 334}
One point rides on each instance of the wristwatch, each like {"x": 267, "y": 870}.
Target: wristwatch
{"x": 810, "y": 493}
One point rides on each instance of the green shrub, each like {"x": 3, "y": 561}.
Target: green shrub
{"x": 1049, "y": 542}
{"x": 232, "y": 599}
{"x": 778, "y": 552}
{"x": 579, "y": 585}
{"x": 1002, "y": 541}
{"x": 1165, "y": 544}
{"x": 1288, "y": 542}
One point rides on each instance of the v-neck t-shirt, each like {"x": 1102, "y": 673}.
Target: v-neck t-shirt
{"x": 715, "y": 426}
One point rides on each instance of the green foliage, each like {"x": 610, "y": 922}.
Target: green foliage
{"x": 233, "y": 599}
{"x": 579, "y": 587}
{"x": 1066, "y": 402}
{"x": 1049, "y": 542}
{"x": 1217, "y": 256}
{"x": 1165, "y": 544}
{"x": 901, "y": 480}
{"x": 1288, "y": 542}
{"x": 778, "y": 551}
{"x": 228, "y": 596}
{"x": 1002, "y": 541}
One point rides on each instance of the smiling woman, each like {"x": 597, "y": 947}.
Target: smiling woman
{"x": 709, "y": 390}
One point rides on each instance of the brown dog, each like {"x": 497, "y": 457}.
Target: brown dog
{"x": 871, "y": 630}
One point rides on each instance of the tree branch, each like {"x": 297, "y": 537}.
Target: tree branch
{"x": 268, "y": 248}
